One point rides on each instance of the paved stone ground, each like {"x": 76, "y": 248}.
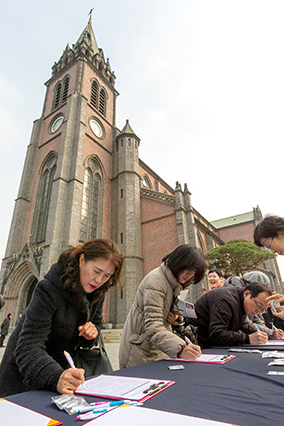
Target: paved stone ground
{"x": 111, "y": 348}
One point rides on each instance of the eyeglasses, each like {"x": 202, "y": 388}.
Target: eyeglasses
{"x": 259, "y": 307}
{"x": 268, "y": 246}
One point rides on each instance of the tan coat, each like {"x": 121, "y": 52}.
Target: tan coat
{"x": 147, "y": 336}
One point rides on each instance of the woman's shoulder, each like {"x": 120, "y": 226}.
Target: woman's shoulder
{"x": 155, "y": 280}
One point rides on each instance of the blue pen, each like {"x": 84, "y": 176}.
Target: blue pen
{"x": 256, "y": 327}
{"x": 101, "y": 406}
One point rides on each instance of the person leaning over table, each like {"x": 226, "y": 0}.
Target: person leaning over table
{"x": 65, "y": 311}
{"x": 260, "y": 319}
{"x": 221, "y": 315}
{"x": 147, "y": 335}
{"x": 269, "y": 233}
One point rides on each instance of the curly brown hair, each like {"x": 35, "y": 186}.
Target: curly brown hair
{"x": 69, "y": 270}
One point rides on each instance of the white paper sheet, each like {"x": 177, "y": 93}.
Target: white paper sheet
{"x": 15, "y": 415}
{"x": 118, "y": 387}
{"x": 140, "y": 416}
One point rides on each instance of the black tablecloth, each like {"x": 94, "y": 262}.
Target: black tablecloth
{"x": 238, "y": 392}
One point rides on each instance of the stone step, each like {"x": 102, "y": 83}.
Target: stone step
{"x": 111, "y": 336}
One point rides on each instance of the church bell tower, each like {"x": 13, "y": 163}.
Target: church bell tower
{"x": 65, "y": 190}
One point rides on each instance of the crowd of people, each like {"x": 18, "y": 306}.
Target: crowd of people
{"x": 65, "y": 312}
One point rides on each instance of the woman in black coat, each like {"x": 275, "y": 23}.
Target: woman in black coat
{"x": 5, "y": 329}
{"x": 65, "y": 312}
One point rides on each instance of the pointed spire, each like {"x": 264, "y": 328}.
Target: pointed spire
{"x": 127, "y": 129}
{"x": 89, "y": 36}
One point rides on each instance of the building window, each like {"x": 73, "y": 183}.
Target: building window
{"x": 94, "y": 94}
{"x": 61, "y": 92}
{"x": 102, "y": 102}
{"x": 65, "y": 89}
{"x": 91, "y": 210}
{"x": 57, "y": 96}
{"x": 44, "y": 196}
{"x": 145, "y": 182}
{"x": 98, "y": 97}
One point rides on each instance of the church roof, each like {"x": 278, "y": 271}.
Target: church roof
{"x": 233, "y": 220}
{"x": 89, "y": 36}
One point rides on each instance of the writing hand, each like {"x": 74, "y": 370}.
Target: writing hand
{"x": 70, "y": 380}
{"x": 277, "y": 334}
{"x": 258, "y": 338}
{"x": 191, "y": 352}
{"x": 88, "y": 330}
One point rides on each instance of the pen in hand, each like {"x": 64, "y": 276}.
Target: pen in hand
{"x": 69, "y": 359}
{"x": 187, "y": 340}
{"x": 71, "y": 362}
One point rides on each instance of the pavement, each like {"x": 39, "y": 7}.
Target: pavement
{"x": 111, "y": 348}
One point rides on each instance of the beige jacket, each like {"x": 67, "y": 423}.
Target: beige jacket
{"x": 147, "y": 336}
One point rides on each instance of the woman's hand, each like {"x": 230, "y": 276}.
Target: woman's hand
{"x": 70, "y": 380}
{"x": 171, "y": 318}
{"x": 190, "y": 352}
{"x": 280, "y": 311}
{"x": 88, "y": 330}
{"x": 277, "y": 334}
{"x": 276, "y": 298}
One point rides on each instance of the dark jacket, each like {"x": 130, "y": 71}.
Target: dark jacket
{"x": 5, "y": 326}
{"x": 220, "y": 317}
{"x": 34, "y": 356}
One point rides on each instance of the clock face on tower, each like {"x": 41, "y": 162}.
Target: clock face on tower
{"x": 96, "y": 128}
{"x": 57, "y": 123}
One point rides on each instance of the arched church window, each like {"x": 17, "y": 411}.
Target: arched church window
{"x": 91, "y": 211}
{"x": 65, "y": 89}
{"x": 57, "y": 96}
{"x": 145, "y": 182}
{"x": 200, "y": 243}
{"x": 102, "y": 102}
{"x": 94, "y": 94}
{"x": 61, "y": 92}
{"x": 44, "y": 196}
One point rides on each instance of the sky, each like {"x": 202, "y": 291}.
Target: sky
{"x": 201, "y": 82}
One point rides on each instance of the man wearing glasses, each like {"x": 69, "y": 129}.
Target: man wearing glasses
{"x": 221, "y": 315}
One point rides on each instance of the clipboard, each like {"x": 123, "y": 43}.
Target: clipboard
{"x": 207, "y": 359}
{"x": 13, "y": 414}
{"x": 123, "y": 388}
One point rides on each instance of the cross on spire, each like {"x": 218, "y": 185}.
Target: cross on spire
{"x": 90, "y": 13}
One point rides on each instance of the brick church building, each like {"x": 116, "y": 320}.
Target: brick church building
{"x": 83, "y": 179}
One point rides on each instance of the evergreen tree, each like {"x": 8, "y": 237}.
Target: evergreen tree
{"x": 237, "y": 256}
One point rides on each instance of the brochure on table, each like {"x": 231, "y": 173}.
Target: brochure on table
{"x": 119, "y": 387}
{"x": 15, "y": 415}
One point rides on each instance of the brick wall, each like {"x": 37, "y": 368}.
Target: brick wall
{"x": 244, "y": 231}
{"x": 159, "y": 234}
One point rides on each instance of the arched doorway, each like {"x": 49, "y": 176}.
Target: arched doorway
{"x": 30, "y": 290}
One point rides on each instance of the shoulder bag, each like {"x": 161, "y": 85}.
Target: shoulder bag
{"x": 93, "y": 360}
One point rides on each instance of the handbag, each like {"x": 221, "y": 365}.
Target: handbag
{"x": 93, "y": 360}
